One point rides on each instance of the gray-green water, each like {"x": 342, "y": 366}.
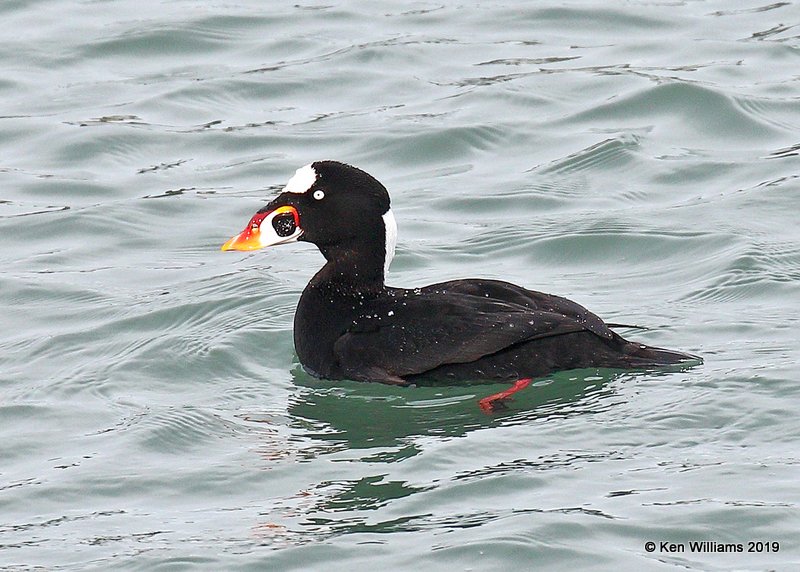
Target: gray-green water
{"x": 639, "y": 157}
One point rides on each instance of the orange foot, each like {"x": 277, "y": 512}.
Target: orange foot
{"x": 495, "y": 402}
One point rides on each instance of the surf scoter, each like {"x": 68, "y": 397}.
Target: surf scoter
{"x": 350, "y": 325}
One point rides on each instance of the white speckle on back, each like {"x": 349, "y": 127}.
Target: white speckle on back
{"x": 391, "y": 238}
{"x": 302, "y": 180}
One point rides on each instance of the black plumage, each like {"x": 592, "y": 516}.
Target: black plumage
{"x": 350, "y": 325}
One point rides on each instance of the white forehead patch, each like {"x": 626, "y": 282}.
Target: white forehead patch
{"x": 302, "y": 180}
{"x": 391, "y": 238}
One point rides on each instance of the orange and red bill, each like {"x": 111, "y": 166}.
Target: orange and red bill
{"x": 269, "y": 228}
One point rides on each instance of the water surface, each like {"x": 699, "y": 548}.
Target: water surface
{"x": 640, "y": 158}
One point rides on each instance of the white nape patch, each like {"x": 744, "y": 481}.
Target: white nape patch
{"x": 302, "y": 180}
{"x": 391, "y": 238}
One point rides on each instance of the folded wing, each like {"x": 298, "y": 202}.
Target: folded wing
{"x": 412, "y": 332}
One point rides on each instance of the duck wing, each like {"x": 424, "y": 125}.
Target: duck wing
{"x": 511, "y": 293}
{"x": 414, "y": 331}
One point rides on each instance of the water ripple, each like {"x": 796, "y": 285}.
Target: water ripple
{"x": 702, "y": 111}
{"x": 762, "y": 269}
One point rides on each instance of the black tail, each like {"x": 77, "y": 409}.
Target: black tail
{"x": 614, "y": 325}
{"x": 640, "y": 355}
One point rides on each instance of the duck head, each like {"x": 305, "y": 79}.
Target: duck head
{"x": 341, "y": 209}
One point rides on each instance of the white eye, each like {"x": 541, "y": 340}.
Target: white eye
{"x": 319, "y": 195}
